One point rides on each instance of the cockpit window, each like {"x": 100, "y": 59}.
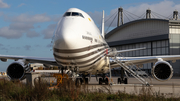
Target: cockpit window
{"x": 73, "y": 14}
{"x": 67, "y": 14}
{"x": 81, "y": 15}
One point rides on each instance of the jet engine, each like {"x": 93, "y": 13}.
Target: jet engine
{"x": 162, "y": 71}
{"x": 17, "y": 70}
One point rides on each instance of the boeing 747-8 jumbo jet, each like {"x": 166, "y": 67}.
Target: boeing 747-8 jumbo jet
{"x": 79, "y": 47}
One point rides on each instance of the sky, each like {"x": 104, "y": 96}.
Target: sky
{"x": 27, "y": 26}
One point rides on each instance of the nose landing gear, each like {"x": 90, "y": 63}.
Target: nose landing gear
{"x": 83, "y": 80}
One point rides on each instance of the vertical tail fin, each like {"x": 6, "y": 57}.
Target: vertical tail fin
{"x": 103, "y": 35}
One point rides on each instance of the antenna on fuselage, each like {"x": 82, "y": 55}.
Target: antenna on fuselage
{"x": 102, "y": 30}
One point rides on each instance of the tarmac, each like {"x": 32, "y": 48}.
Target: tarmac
{"x": 170, "y": 88}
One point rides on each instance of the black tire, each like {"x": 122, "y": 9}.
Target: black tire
{"x": 86, "y": 81}
{"x": 125, "y": 81}
{"x": 119, "y": 81}
{"x": 106, "y": 81}
{"x": 100, "y": 81}
{"x": 81, "y": 80}
{"x": 78, "y": 82}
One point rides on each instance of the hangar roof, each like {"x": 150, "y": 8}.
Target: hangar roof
{"x": 130, "y": 23}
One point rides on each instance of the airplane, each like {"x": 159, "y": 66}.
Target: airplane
{"x": 79, "y": 47}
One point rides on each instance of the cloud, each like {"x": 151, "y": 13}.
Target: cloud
{"x": 3, "y": 5}
{"x": 16, "y": 30}
{"x": 48, "y": 32}
{"x": 30, "y": 18}
{"x": 38, "y": 26}
{"x": 13, "y": 48}
{"x": 37, "y": 46}
{"x": 22, "y": 4}
{"x": 164, "y": 8}
{"x": 96, "y": 16}
{"x": 17, "y": 47}
{"x": 1, "y": 13}
{"x": 8, "y": 33}
{"x": 1, "y": 45}
{"x": 4, "y": 49}
{"x": 56, "y": 18}
{"x": 27, "y": 47}
{"x": 22, "y": 24}
{"x": 49, "y": 45}
{"x": 32, "y": 34}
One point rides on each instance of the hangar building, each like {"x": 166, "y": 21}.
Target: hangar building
{"x": 159, "y": 36}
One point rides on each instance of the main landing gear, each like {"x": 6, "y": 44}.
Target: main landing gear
{"x": 83, "y": 80}
{"x": 103, "y": 80}
{"x": 122, "y": 79}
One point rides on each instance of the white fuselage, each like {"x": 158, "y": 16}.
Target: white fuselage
{"x": 78, "y": 43}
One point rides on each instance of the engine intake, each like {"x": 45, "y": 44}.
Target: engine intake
{"x": 17, "y": 70}
{"x": 162, "y": 71}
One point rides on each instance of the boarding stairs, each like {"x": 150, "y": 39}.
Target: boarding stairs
{"x": 131, "y": 68}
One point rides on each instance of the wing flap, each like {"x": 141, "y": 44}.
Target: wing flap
{"x": 145, "y": 59}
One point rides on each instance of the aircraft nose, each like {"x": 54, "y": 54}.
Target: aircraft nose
{"x": 66, "y": 39}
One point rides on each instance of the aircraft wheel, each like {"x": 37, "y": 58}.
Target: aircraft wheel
{"x": 78, "y": 82}
{"x": 100, "y": 81}
{"x": 81, "y": 80}
{"x": 119, "y": 81}
{"x": 125, "y": 81}
{"x": 106, "y": 81}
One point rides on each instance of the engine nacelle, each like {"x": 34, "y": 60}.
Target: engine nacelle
{"x": 162, "y": 71}
{"x": 17, "y": 70}
{"x": 3, "y": 60}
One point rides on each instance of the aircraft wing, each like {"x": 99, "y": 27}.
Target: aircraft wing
{"x": 129, "y": 50}
{"x": 49, "y": 61}
{"x": 145, "y": 59}
{"x": 122, "y": 51}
